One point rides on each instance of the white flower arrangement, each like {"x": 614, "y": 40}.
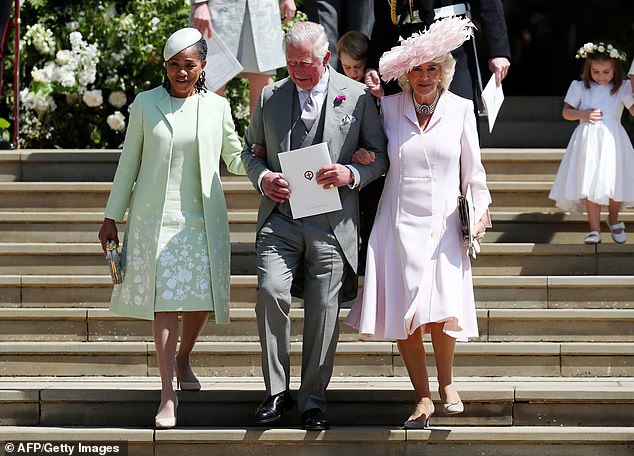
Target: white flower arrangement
{"x": 72, "y": 69}
{"x": 117, "y": 99}
{"x": 41, "y": 38}
{"x": 80, "y": 71}
{"x": 93, "y": 98}
{"x": 600, "y": 48}
{"x": 62, "y": 57}
{"x": 37, "y": 101}
{"x": 116, "y": 121}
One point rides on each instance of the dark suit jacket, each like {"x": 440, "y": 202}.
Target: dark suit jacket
{"x": 488, "y": 13}
{"x": 348, "y": 125}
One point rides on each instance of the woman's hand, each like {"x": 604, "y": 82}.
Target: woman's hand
{"x": 287, "y": 10}
{"x": 591, "y": 115}
{"x": 479, "y": 229}
{"x": 108, "y": 232}
{"x": 201, "y": 18}
{"x": 363, "y": 156}
{"x": 259, "y": 150}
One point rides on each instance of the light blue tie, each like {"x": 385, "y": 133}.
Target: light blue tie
{"x": 309, "y": 112}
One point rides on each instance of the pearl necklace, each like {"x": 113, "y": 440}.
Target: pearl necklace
{"x": 423, "y": 109}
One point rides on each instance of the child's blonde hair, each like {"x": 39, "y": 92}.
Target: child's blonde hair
{"x": 355, "y": 44}
{"x": 616, "y": 81}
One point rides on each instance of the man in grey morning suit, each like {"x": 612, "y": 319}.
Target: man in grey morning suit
{"x": 316, "y": 255}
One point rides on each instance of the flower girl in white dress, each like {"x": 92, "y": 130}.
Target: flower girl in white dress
{"x": 598, "y": 166}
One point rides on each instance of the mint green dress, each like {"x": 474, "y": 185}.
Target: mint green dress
{"x": 183, "y": 275}
{"x": 148, "y": 164}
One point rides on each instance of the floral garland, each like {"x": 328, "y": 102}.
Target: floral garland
{"x": 600, "y": 48}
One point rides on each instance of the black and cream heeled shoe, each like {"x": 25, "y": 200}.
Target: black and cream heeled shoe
{"x": 422, "y": 421}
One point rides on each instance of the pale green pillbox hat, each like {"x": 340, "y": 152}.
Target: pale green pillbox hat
{"x": 179, "y": 40}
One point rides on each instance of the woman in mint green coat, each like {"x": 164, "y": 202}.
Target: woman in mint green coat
{"x": 176, "y": 253}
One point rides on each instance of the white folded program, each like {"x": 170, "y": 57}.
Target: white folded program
{"x": 460, "y": 9}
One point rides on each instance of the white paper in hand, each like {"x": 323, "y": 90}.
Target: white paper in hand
{"x": 222, "y": 66}
{"x": 300, "y": 168}
{"x": 492, "y": 96}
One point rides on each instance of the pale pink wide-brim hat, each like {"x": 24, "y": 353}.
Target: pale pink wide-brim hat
{"x": 441, "y": 37}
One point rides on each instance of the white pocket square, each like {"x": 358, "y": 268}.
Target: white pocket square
{"x": 348, "y": 119}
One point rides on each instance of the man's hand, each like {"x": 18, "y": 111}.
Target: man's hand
{"x": 363, "y": 156}
{"x": 287, "y": 10}
{"x": 335, "y": 175}
{"x": 108, "y": 232}
{"x": 201, "y": 18}
{"x": 499, "y": 66}
{"x": 373, "y": 81}
{"x": 275, "y": 187}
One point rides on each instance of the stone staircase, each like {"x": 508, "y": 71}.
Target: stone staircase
{"x": 552, "y": 372}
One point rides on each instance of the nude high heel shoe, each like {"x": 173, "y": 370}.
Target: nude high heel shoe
{"x": 453, "y": 408}
{"x": 167, "y": 421}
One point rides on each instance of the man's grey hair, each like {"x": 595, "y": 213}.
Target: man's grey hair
{"x": 308, "y": 32}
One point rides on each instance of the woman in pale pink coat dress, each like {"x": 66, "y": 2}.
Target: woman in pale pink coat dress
{"x": 418, "y": 275}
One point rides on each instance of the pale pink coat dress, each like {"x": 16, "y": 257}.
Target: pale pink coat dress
{"x": 417, "y": 269}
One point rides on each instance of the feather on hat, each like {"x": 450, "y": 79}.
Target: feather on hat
{"x": 441, "y": 37}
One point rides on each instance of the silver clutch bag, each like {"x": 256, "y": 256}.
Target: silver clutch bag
{"x": 113, "y": 258}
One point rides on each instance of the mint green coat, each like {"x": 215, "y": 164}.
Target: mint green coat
{"x": 144, "y": 168}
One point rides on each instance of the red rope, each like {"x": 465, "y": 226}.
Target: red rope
{"x": 16, "y": 73}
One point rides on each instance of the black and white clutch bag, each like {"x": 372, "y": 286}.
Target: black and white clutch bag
{"x": 471, "y": 242}
{"x": 113, "y": 258}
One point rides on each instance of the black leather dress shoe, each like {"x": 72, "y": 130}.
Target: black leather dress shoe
{"x": 273, "y": 407}
{"x": 314, "y": 420}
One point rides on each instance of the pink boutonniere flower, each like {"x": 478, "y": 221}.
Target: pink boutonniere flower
{"x": 339, "y": 99}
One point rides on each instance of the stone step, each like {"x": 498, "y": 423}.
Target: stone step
{"x": 522, "y": 133}
{"x": 353, "y": 401}
{"x": 377, "y": 358}
{"x": 92, "y": 196}
{"x": 513, "y": 258}
{"x": 491, "y": 292}
{"x": 345, "y": 440}
{"x": 496, "y": 325}
{"x": 512, "y": 195}
{"x": 98, "y": 165}
{"x": 508, "y": 164}
{"x": 551, "y": 227}
{"x": 239, "y": 194}
{"x": 540, "y": 225}
{"x": 494, "y": 259}
{"x": 32, "y": 165}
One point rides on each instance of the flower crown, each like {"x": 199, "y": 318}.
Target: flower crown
{"x": 600, "y": 48}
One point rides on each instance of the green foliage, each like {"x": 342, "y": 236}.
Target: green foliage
{"x": 81, "y": 65}
{"x": 128, "y": 37}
